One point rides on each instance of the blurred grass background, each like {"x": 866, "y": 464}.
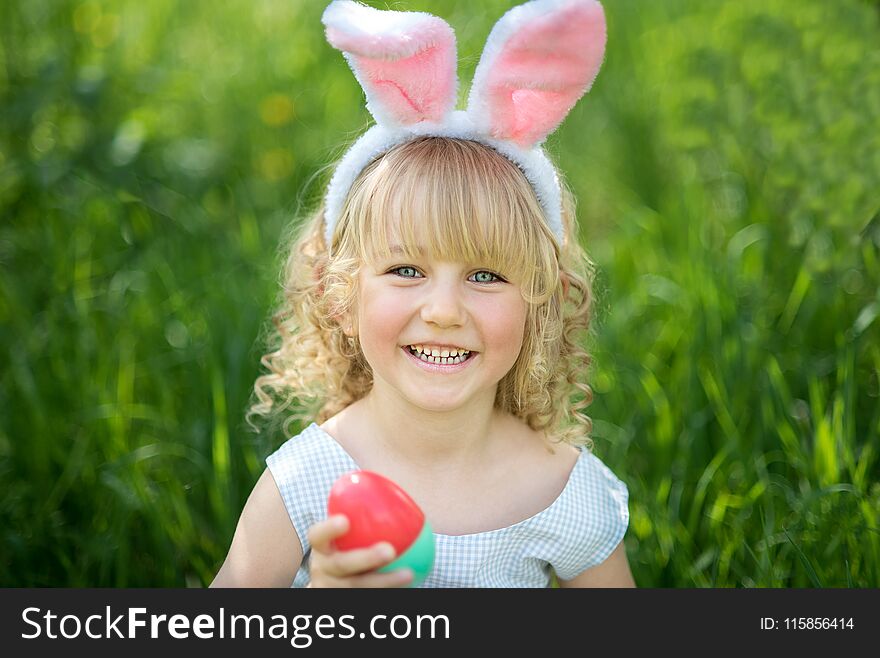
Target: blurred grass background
{"x": 727, "y": 165}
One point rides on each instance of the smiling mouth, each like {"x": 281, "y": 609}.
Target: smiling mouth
{"x": 460, "y": 356}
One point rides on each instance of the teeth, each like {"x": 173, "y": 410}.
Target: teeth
{"x": 444, "y": 356}
{"x": 441, "y": 353}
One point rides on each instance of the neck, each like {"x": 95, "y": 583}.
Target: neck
{"x": 426, "y": 437}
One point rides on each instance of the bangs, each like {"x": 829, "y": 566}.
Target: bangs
{"x": 460, "y": 201}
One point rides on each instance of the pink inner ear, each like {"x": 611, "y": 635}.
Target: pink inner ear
{"x": 542, "y": 71}
{"x": 408, "y": 73}
{"x": 532, "y": 107}
{"x": 412, "y": 89}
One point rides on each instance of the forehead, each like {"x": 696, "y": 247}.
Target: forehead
{"x": 409, "y": 209}
{"x": 412, "y": 229}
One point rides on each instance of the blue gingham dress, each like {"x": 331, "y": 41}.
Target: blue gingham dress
{"x": 576, "y": 531}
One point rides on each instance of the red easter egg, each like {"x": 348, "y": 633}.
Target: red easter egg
{"x": 377, "y": 510}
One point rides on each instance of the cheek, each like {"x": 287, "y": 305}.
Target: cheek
{"x": 381, "y": 319}
{"x": 504, "y": 323}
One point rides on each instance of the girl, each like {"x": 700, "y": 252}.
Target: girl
{"x": 432, "y": 314}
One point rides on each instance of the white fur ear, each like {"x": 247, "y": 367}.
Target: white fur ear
{"x": 539, "y": 59}
{"x": 405, "y": 61}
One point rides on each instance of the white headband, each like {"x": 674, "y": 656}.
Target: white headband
{"x": 539, "y": 59}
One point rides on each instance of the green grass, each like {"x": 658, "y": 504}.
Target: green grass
{"x": 727, "y": 166}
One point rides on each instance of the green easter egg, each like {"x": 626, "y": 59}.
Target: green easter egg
{"x": 419, "y": 557}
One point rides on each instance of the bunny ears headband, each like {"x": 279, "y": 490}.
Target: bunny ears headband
{"x": 539, "y": 59}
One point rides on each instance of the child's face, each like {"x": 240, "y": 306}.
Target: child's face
{"x": 432, "y": 303}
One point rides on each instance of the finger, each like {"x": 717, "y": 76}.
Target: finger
{"x": 321, "y": 534}
{"x": 360, "y": 560}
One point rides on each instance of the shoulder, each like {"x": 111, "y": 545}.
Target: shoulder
{"x": 596, "y": 475}
{"x": 291, "y": 495}
{"x": 304, "y": 469}
{"x": 307, "y": 462}
{"x": 265, "y": 549}
{"x": 595, "y": 514}
{"x": 307, "y": 443}
{"x": 598, "y": 492}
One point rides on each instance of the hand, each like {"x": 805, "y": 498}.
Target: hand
{"x": 330, "y": 567}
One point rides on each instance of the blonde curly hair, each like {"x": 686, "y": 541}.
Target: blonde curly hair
{"x": 476, "y": 206}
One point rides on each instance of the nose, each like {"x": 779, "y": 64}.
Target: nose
{"x": 443, "y": 304}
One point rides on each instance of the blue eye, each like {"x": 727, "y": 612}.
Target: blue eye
{"x": 405, "y": 271}
{"x": 492, "y": 277}
{"x": 410, "y": 272}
